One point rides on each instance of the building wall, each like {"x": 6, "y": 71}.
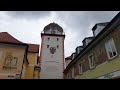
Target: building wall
{"x": 52, "y": 65}
{"x": 103, "y": 69}
{"x": 14, "y": 52}
{"x": 101, "y": 57}
{"x": 24, "y": 71}
{"x": 32, "y": 58}
{"x": 36, "y": 74}
{"x": 102, "y": 63}
{"x": 67, "y": 62}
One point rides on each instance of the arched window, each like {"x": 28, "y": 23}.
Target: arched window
{"x": 52, "y": 32}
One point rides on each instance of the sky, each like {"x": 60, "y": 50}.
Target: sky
{"x": 26, "y": 26}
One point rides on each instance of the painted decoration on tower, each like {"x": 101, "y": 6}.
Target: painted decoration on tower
{"x": 52, "y": 50}
{"x": 10, "y": 61}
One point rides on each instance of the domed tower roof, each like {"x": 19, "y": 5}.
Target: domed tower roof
{"x": 53, "y": 26}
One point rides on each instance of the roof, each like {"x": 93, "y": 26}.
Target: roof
{"x": 73, "y": 53}
{"x": 100, "y": 24}
{"x": 7, "y": 38}
{"x": 115, "y": 20}
{"x": 88, "y": 38}
{"x": 53, "y": 26}
{"x": 33, "y": 48}
{"x": 68, "y": 58}
{"x": 79, "y": 47}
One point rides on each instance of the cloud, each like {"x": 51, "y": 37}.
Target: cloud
{"x": 26, "y": 26}
{"x": 79, "y": 25}
{"x": 28, "y": 14}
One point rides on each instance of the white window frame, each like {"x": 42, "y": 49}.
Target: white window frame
{"x": 80, "y": 68}
{"x": 110, "y": 48}
{"x": 72, "y": 72}
{"x": 1, "y": 53}
{"x": 92, "y": 65}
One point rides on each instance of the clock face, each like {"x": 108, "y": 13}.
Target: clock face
{"x": 52, "y": 50}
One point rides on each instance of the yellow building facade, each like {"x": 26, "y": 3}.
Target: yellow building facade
{"x": 18, "y": 60}
{"x": 12, "y": 55}
{"x": 32, "y": 56}
{"x": 100, "y": 59}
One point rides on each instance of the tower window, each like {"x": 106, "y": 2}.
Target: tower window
{"x": 52, "y": 32}
{"x": 48, "y": 39}
{"x": 57, "y": 46}
{"x": 47, "y": 46}
{"x": 57, "y": 39}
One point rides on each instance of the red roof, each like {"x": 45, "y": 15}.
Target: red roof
{"x": 7, "y": 38}
{"x": 68, "y": 58}
{"x": 33, "y": 47}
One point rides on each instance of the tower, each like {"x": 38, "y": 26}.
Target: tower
{"x": 52, "y": 52}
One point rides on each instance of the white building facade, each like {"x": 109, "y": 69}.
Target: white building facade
{"x": 52, "y": 52}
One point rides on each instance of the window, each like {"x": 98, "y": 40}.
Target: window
{"x": 91, "y": 61}
{"x": 57, "y": 39}
{"x": 48, "y": 39}
{"x": 72, "y": 72}
{"x": 80, "y": 68}
{"x": 47, "y": 46}
{"x": 57, "y": 46}
{"x": 52, "y": 32}
{"x": 1, "y": 54}
{"x": 110, "y": 48}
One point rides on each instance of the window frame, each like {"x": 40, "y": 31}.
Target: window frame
{"x": 91, "y": 65}
{"x": 1, "y": 54}
{"x": 48, "y": 39}
{"x": 57, "y": 46}
{"x": 72, "y": 73}
{"x": 57, "y": 39}
{"x": 80, "y": 68}
{"x": 106, "y": 48}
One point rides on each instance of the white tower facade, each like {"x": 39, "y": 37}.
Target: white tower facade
{"x": 52, "y": 52}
